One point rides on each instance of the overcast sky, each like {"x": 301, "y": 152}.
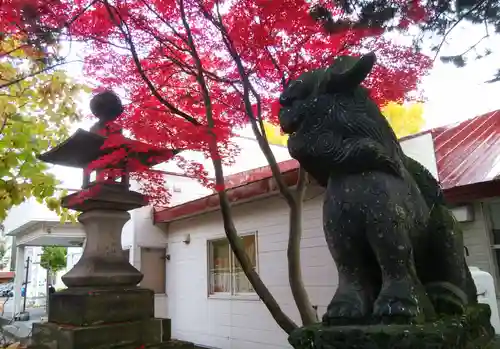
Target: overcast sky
{"x": 454, "y": 94}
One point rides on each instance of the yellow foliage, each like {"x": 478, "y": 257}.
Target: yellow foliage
{"x": 274, "y": 135}
{"x": 404, "y": 120}
{"x": 36, "y": 111}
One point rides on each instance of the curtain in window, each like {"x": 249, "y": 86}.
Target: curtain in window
{"x": 241, "y": 283}
{"x": 220, "y": 273}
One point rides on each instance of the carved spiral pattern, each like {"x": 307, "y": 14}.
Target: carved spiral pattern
{"x": 342, "y": 131}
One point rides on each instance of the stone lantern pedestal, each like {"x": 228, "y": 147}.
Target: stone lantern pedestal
{"x": 102, "y": 306}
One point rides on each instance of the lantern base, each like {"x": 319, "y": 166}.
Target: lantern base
{"x": 147, "y": 334}
{"x": 104, "y": 318}
{"x": 87, "y": 306}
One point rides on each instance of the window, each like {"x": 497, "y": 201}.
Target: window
{"x": 225, "y": 272}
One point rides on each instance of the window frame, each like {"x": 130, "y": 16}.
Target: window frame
{"x": 232, "y": 294}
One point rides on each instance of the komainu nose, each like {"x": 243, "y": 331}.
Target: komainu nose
{"x": 290, "y": 123}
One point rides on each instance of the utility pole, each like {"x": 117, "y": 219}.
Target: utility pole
{"x": 28, "y": 260}
{"x": 24, "y": 315}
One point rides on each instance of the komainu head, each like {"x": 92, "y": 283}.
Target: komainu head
{"x": 333, "y": 124}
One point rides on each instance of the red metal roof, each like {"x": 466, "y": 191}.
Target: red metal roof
{"x": 258, "y": 173}
{"x": 242, "y": 193}
{"x": 467, "y": 152}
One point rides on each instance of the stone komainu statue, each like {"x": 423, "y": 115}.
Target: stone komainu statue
{"x": 398, "y": 250}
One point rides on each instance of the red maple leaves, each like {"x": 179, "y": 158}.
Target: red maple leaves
{"x": 178, "y": 60}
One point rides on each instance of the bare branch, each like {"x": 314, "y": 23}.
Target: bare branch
{"x": 7, "y": 53}
{"x": 443, "y": 40}
{"x": 277, "y": 67}
{"x": 75, "y": 17}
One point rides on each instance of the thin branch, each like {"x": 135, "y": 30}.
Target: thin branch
{"x": 142, "y": 73}
{"x": 277, "y": 67}
{"x": 4, "y": 124}
{"x": 167, "y": 23}
{"x": 160, "y": 40}
{"x": 70, "y": 22}
{"x": 477, "y": 5}
{"x": 474, "y": 46}
{"x": 13, "y": 82}
{"x": 178, "y": 62}
{"x": 102, "y": 41}
{"x": 7, "y": 53}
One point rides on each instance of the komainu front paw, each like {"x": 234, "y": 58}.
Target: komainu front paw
{"x": 347, "y": 308}
{"x": 447, "y": 298}
{"x": 398, "y": 303}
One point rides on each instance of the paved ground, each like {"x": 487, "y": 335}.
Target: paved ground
{"x": 19, "y": 329}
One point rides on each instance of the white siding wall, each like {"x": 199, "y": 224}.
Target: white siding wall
{"x": 421, "y": 148}
{"x": 244, "y": 323}
{"x": 30, "y": 210}
{"x": 477, "y": 240}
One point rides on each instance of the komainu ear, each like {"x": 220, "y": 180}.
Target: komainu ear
{"x": 348, "y": 72}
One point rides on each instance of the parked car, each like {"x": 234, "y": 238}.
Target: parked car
{"x": 7, "y": 290}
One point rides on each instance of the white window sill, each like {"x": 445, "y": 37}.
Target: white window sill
{"x": 236, "y": 297}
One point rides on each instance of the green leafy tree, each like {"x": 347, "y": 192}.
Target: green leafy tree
{"x": 3, "y": 251}
{"x": 38, "y": 103}
{"x": 53, "y": 259}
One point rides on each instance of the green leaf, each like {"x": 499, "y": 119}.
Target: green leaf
{"x": 53, "y": 258}
{"x": 37, "y": 112}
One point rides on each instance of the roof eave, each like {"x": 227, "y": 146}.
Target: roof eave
{"x": 238, "y": 195}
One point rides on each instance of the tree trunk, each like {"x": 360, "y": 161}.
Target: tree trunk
{"x": 294, "y": 202}
{"x": 260, "y": 288}
{"x": 300, "y": 296}
{"x": 232, "y": 235}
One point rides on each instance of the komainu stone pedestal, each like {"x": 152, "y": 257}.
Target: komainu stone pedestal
{"x": 472, "y": 331}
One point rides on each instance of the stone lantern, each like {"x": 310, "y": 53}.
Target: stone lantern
{"x": 103, "y": 305}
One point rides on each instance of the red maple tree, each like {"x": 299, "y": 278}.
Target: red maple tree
{"x": 195, "y": 70}
{"x": 165, "y": 53}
